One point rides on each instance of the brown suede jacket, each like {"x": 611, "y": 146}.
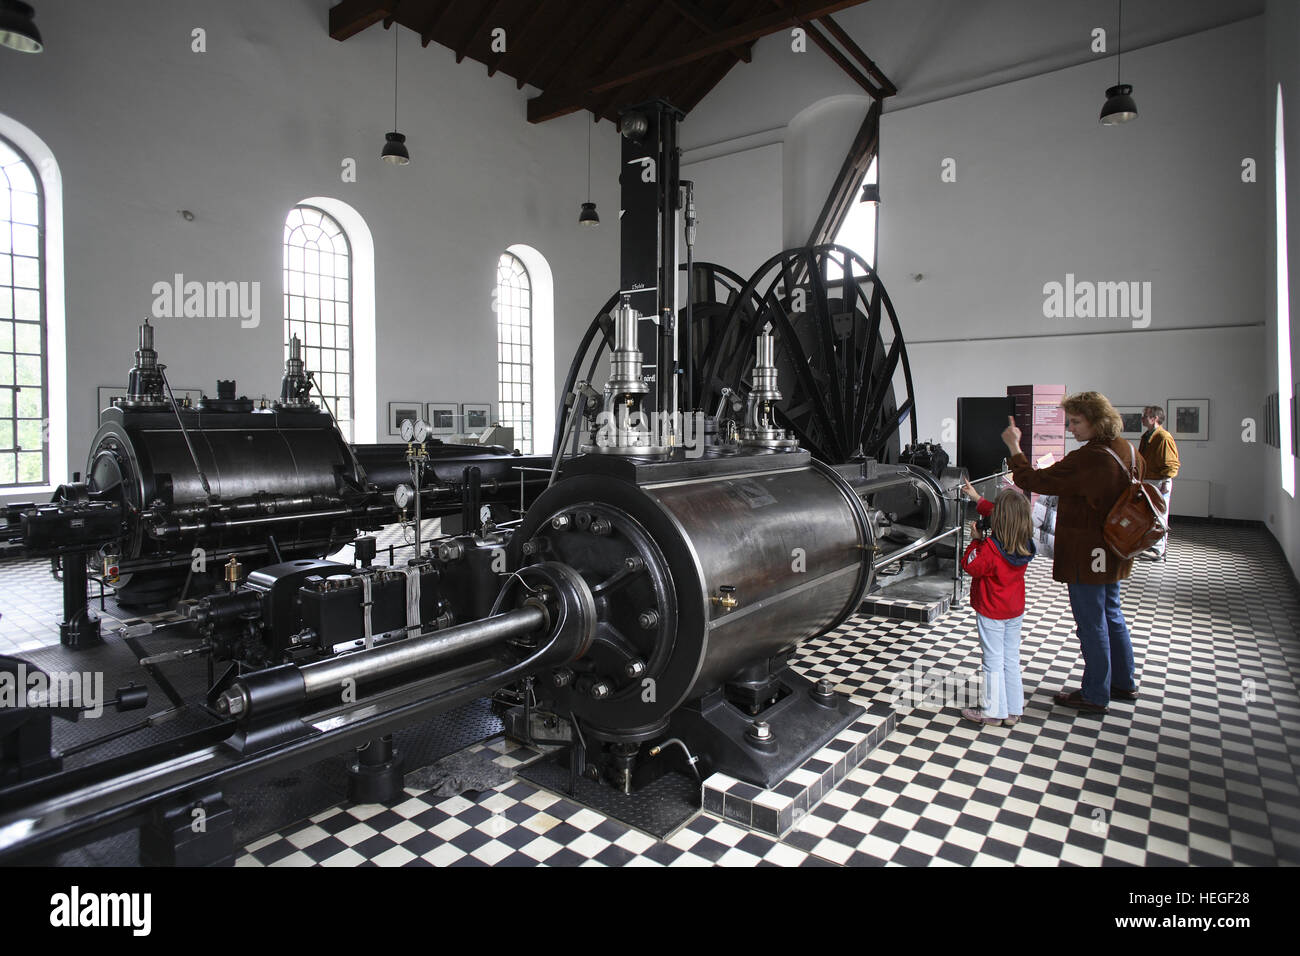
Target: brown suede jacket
{"x": 1087, "y": 483}
{"x": 1159, "y": 451}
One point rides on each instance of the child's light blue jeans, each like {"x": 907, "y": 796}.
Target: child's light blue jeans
{"x": 1004, "y": 695}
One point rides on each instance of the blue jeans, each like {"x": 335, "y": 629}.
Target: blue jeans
{"x": 1104, "y": 640}
{"x": 1004, "y": 695}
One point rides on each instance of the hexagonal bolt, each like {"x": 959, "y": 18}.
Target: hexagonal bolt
{"x": 634, "y": 668}
{"x": 634, "y": 563}
{"x": 759, "y": 730}
{"x": 562, "y": 677}
{"x": 648, "y": 618}
{"x": 561, "y": 522}
{"x": 450, "y": 551}
{"x": 825, "y": 687}
{"x": 600, "y": 690}
{"x": 529, "y": 547}
{"x": 231, "y": 703}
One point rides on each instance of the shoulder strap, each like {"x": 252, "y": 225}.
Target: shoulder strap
{"x": 1132, "y": 469}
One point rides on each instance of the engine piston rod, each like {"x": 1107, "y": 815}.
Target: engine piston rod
{"x": 288, "y": 684}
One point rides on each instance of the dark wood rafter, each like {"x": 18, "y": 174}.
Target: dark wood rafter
{"x": 564, "y": 99}
{"x": 874, "y": 90}
{"x": 528, "y": 73}
{"x": 844, "y": 191}
{"x": 709, "y": 78}
{"x": 842, "y": 61}
{"x": 842, "y": 37}
{"x": 603, "y": 55}
{"x": 650, "y": 37}
{"x": 430, "y": 24}
{"x": 476, "y": 28}
{"x": 706, "y": 25}
{"x": 516, "y": 31}
{"x": 676, "y": 31}
{"x": 585, "y": 42}
{"x": 350, "y": 17}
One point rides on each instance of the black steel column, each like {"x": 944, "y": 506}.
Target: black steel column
{"x": 649, "y": 181}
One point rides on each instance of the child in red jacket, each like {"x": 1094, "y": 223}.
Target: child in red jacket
{"x": 997, "y": 566}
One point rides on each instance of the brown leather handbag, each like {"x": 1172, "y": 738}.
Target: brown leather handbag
{"x": 1137, "y": 520}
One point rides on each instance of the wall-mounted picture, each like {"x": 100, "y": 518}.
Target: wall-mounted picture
{"x": 441, "y": 417}
{"x": 399, "y": 412}
{"x": 477, "y": 418}
{"x": 1188, "y": 419}
{"x": 1132, "y": 416}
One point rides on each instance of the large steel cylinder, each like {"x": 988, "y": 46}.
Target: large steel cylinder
{"x": 699, "y": 570}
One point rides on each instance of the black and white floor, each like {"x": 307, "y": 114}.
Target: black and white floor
{"x": 1201, "y": 770}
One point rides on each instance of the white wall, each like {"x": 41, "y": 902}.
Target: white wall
{"x": 1043, "y": 191}
{"x": 738, "y": 199}
{"x": 1282, "y": 512}
{"x": 143, "y": 127}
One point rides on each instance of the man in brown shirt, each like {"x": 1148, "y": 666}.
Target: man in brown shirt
{"x": 1158, "y": 450}
{"x": 1087, "y": 482}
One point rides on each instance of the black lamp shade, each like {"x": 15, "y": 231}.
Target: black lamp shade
{"x": 870, "y": 193}
{"x": 1119, "y": 107}
{"x": 588, "y": 215}
{"x": 395, "y": 149}
{"x": 18, "y": 27}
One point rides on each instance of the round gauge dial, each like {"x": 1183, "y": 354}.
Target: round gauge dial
{"x": 403, "y": 495}
{"x": 422, "y": 430}
{"x": 408, "y": 429}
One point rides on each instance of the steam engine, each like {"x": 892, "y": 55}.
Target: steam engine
{"x": 642, "y": 611}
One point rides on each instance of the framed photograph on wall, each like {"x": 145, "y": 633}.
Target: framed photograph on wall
{"x": 1188, "y": 419}
{"x": 398, "y": 412}
{"x": 441, "y": 417}
{"x": 1132, "y": 416}
{"x": 475, "y": 418}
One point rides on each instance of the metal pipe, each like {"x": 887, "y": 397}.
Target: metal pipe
{"x": 327, "y": 677}
{"x": 913, "y": 547}
{"x": 203, "y": 479}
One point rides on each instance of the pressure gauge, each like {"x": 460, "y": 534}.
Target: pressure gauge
{"x": 408, "y": 429}
{"x": 485, "y": 514}
{"x": 422, "y": 430}
{"x": 403, "y": 493}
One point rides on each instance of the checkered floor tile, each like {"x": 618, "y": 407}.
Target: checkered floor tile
{"x": 1201, "y": 770}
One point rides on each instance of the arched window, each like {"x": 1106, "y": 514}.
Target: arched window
{"x": 318, "y": 303}
{"x": 24, "y": 382}
{"x": 514, "y": 305}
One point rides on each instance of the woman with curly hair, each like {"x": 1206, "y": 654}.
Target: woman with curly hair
{"x": 1087, "y": 483}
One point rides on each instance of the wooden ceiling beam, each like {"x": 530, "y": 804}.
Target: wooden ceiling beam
{"x": 350, "y": 17}
{"x": 563, "y": 99}
{"x": 522, "y": 78}
{"x": 438, "y": 11}
{"x": 637, "y": 93}
{"x": 519, "y": 28}
{"x": 706, "y": 26}
{"x": 840, "y": 60}
{"x": 573, "y": 58}
{"x": 846, "y": 41}
{"x": 477, "y": 27}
